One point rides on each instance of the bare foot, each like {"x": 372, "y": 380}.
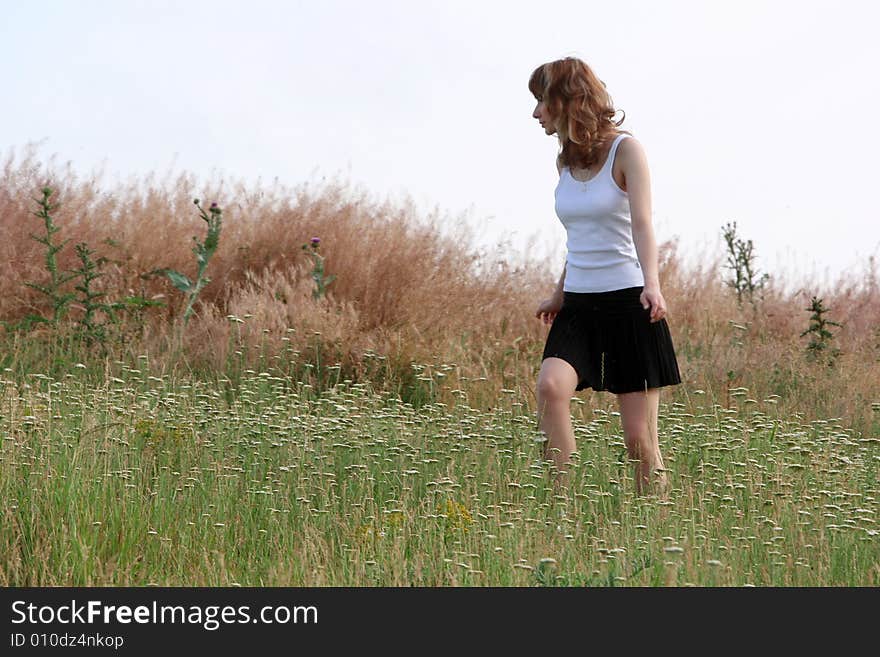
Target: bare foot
{"x": 659, "y": 485}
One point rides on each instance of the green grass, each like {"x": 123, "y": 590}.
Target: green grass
{"x": 151, "y": 479}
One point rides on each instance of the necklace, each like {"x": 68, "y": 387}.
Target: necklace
{"x": 583, "y": 184}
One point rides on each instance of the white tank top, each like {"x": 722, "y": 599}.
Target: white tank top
{"x": 601, "y": 254}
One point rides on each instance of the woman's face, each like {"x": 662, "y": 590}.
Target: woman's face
{"x": 544, "y": 117}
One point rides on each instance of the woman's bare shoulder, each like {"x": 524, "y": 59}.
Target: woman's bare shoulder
{"x": 629, "y": 144}
{"x": 631, "y": 150}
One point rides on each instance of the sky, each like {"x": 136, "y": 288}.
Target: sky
{"x": 760, "y": 112}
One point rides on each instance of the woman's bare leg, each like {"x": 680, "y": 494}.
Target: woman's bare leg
{"x": 556, "y": 385}
{"x": 638, "y": 417}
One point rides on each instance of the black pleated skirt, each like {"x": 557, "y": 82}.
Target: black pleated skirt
{"x": 610, "y": 341}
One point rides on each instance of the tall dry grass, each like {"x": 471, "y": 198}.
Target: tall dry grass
{"x": 408, "y": 289}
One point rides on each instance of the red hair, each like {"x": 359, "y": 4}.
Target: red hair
{"x": 581, "y": 107}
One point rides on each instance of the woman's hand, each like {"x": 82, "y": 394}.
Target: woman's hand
{"x": 548, "y": 309}
{"x": 653, "y": 299}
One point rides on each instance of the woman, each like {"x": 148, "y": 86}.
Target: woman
{"x": 608, "y": 328}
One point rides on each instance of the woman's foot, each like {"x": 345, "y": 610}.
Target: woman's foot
{"x": 658, "y": 486}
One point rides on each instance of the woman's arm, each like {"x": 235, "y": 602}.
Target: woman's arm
{"x": 549, "y": 308}
{"x": 557, "y": 293}
{"x": 634, "y": 163}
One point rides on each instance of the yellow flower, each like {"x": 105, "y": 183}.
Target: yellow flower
{"x": 456, "y": 514}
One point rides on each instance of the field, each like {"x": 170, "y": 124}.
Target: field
{"x": 152, "y": 480}
{"x": 383, "y": 432}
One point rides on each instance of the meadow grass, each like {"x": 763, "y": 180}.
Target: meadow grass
{"x": 159, "y": 480}
{"x": 410, "y": 287}
{"x": 383, "y": 433}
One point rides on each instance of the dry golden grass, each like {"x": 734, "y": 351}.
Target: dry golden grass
{"x": 411, "y": 289}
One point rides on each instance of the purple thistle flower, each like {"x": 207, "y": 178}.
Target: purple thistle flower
{"x": 316, "y": 241}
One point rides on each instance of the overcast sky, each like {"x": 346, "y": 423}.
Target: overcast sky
{"x": 760, "y": 112}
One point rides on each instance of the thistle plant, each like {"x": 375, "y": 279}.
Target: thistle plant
{"x": 741, "y": 260}
{"x": 820, "y": 336}
{"x": 321, "y": 281}
{"x": 203, "y": 251}
{"x": 53, "y": 289}
{"x": 88, "y": 272}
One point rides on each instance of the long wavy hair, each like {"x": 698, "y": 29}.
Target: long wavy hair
{"x": 580, "y": 106}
